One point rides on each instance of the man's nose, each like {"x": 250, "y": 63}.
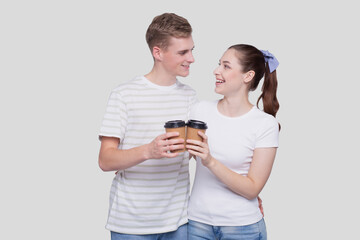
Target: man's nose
{"x": 191, "y": 58}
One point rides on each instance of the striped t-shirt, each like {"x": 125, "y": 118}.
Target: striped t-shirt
{"x": 151, "y": 197}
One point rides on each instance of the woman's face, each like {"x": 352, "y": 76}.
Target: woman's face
{"x": 229, "y": 75}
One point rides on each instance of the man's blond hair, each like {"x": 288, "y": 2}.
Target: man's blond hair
{"x": 165, "y": 26}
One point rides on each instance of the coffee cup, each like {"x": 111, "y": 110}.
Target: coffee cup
{"x": 193, "y": 126}
{"x": 176, "y": 126}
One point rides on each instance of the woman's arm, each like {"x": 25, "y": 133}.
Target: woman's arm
{"x": 247, "y": 186}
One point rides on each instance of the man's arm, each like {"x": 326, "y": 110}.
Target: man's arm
{"x": 112, "y": 159}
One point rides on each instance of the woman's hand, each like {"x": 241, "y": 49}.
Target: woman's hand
{"x": 200, "y": 149}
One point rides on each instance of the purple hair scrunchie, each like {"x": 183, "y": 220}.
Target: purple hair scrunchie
{"x": 271, "y": 60}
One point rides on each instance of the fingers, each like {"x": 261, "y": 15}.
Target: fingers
{"x": 199, "y": 149}
{"x": 167, "y": 139}
{"x": 166, "y": 144}
{"x": 169, "y": 154}
{"x": 203, "y": 156}
{"x": 173, "y": 144}
{"x": 195, "y": 142}
{"x": 169, "y": 135}
{"x": 204, "y": 137}
{"x": 171, "y": 150}
{"x": 196, "y": 147}
{"x": 193, "y": 153}
{"x": 260, "y": 206}
{"x": 261, "y": 210}
{"x": 173, "y": 147}
{"x": 174, "y": 141}
{"x": 169, "y": 142}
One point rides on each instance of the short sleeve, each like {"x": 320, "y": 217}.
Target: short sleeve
{"x": 268, "y": 134}
{"x": 115, "y": 117}
{"x": 193, "y": 102}
{"x": 193, "y": 110}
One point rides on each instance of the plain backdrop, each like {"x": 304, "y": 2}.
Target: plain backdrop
{"x": 59, "y": 60}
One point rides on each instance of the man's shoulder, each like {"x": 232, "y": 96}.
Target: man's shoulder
{"x": 135, "y": 83}
{"x": 185, "y": 87}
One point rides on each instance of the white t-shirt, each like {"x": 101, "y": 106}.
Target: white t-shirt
{"x": 232, "y": 141}
{"x": 151, "y": 197}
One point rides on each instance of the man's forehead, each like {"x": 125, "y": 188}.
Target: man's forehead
{"x": 181, "y": 43}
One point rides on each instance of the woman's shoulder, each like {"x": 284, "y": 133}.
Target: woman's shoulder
{"x": 264, "y": 118}
{"x": 261, "y": 114}
{"x": 202, "y": 107}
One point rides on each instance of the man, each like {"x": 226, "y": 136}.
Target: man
{"x": 149, "y": 194}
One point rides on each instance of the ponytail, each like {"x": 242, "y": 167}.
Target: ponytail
{"x": 268, "y": 96}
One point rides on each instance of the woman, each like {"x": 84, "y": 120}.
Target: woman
{"x": 236, "y": 156}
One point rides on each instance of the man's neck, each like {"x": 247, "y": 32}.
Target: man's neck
{"x": 160, "y": 78}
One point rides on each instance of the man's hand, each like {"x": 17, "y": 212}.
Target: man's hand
{"x": 162, "y": 145}
{"x": 260, "y": 206}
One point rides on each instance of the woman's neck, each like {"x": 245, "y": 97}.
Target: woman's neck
{"x": 234, "y": 106}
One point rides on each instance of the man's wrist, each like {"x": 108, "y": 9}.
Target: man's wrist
{"x": 146, "y": 151}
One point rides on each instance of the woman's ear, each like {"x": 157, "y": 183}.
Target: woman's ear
{"x": 156, "y": 52}
{"x": 249, "y": 76}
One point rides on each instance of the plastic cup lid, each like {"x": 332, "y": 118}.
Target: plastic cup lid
{"x": 174, "y": 124}
{"x": 196, "y": 124}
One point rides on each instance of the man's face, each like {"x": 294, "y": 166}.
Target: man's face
{"x": 176, "y": 59}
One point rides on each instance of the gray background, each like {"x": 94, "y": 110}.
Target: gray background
{"x": 59, "y": 61}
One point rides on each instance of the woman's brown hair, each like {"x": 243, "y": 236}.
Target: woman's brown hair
{"x": 251, "y": 58}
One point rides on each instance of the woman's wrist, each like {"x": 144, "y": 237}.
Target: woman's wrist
{"x": 211, "y": 163}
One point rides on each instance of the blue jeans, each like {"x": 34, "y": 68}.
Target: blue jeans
{"x": 179, "y": 234}
{"x": 198, "y": 230}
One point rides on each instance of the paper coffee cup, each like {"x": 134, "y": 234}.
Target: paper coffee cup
{"x": 193, "y": 126}
{"x": 176, "y": 126}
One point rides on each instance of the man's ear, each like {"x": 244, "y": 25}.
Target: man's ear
{"x": 249, "y": 76}
{"x": 156, "y": 52}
